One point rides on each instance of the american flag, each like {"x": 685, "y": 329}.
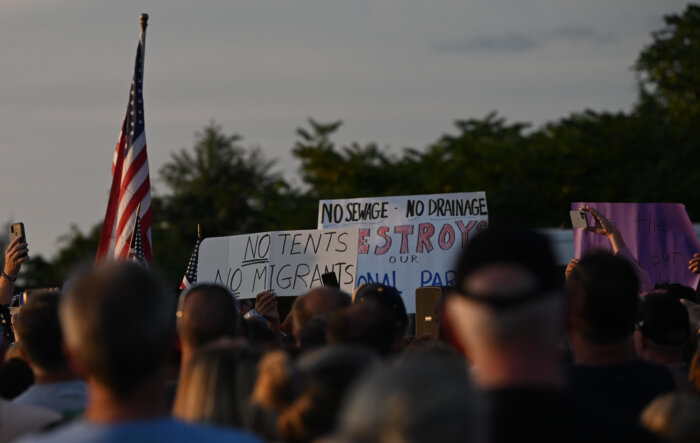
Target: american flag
{"x": 131, "y": 185}
{"x": 190, "y": 277}
{"x": 136, "y": 243}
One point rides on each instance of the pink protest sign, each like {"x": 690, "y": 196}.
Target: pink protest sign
{"x": 659, "y": 235}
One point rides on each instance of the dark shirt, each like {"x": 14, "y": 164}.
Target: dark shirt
{"x": 531, "y": 414}
{"x": 621, "y": 389}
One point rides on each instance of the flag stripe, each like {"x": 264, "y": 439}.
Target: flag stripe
{"x": 107, "y": 234}
{"x": 136, "y": 166}
{"x": 136, "y": 179}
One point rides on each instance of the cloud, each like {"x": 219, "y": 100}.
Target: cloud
{"x": 577, "y": 33}
{"x": 514, "y": 42}
{"x": 507, "y": 43}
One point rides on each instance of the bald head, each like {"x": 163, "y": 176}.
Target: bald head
{"x": 317, "y": 301}
{"x": 208, "y": 313}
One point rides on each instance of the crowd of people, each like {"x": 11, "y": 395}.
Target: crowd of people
{"x": 523, "y": 354}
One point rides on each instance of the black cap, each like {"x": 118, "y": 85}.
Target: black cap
{"x": 388, "y": 297}
{"x": 663, "y": 319}
{"x": 524, "y": 248}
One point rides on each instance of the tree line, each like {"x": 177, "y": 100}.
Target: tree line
{"x": 650, "y": 153}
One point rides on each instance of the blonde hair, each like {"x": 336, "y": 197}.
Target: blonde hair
{"x": 674, "y": 417}
{"x": 216, "y": 385}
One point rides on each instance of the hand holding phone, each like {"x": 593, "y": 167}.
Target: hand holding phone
{"x": 579, "y": 219}
{"x": 17, "y": 252}
{"x": 17, "y": 231}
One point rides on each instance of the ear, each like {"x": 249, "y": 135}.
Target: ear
{"x": 453, "y": 327}
{"x": 22, "y": 352}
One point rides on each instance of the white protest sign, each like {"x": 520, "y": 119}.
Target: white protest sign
{"x": 288, "y": 262}
{"x": 408, "y": 241}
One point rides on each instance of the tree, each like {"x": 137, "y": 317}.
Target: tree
{"x": 668, "y": 72}
{"x": 75, "y": 249}
{"x": 343, "y": 172}
{"x": 668, "y": 69}
{"x": 221, "y": 185}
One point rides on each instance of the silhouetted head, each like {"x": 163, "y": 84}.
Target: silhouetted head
{"x": 426, "y": 396}
{"x": 38, "y": 329}
{"x": 324, "y": 376}
{"x": 315, "y": 302}
{"x": 389, "y": 299}
{"x": 363, "y": 324}
{"x": 207, "y": 312}
{"x": 119, "y": 325}
{"x": 507, "y": 306}
{"x": 603, "y": 297}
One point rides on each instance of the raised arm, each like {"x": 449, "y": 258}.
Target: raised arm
{"x": 15, "y": 255}
{"x": 606, "y": 228}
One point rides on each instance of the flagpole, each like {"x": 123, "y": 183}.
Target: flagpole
{"x": 142, "y": 37}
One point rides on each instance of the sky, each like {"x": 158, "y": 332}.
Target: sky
{"x": 396, "y": 72}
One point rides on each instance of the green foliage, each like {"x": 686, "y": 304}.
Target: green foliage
{"x": 349, "y": 171}
{"x": 669, "y": 68}
{"x": 76, "y": 249}
{"x": 225, "y": 188}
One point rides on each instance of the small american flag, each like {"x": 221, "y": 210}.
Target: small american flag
{"x": 131, "y": 186}
{"x": 136, "y": 243}
{"x": 190, "y": 277}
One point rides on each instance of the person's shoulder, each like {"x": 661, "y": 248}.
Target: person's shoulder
{"x": 595, "y": 424}
{"x": 651, "y": 371}
{"x": 190, "y": 432}
{"x": 27, "y": 397}
{"x": 77, "y": 431}
{"x": 164, "y": 429}
{"x": 20, "y": 419}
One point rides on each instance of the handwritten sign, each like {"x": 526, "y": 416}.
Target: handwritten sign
{"x": 659, "y": 235}
{"x": 408, "y": 241}
{"x": 288, "y": 262}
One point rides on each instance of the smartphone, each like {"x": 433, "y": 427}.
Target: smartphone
{"x": 579, "y": 219}
{"x": 17, "y": 231}
{"x": 330, "y": 279}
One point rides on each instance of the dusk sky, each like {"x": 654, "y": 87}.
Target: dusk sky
{"x": 397, "y": 72}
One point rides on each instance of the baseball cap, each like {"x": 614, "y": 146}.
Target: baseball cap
{"x": 388, "y": 298}
{"x": 521, "y": 247}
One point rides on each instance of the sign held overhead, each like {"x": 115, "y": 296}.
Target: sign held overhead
{"x": 408, "y": 241}
{"x": 287, "y": 262}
